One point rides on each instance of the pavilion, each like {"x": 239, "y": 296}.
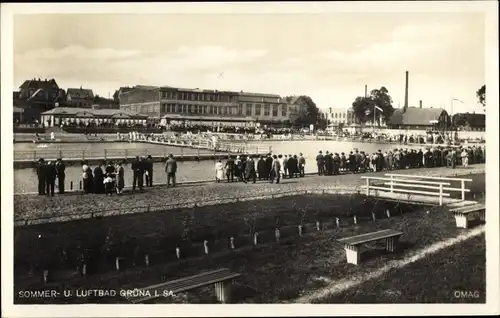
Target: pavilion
{"x": 68, "y": 115}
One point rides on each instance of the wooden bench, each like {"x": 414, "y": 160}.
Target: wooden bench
{"x": 352, "y": 243}
{"x": 221, "y": 278}
{"x": 462, "y": 213}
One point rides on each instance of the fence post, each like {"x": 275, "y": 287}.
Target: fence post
{"x": 392, "y": 186}
{"x": 463, "y": 189}
{"x": 440, "y": 194}
{"x": 182, "y": 152}
{"x": 105, "y": 154}
{"x": 199, "y": 151}
{"x": 34, "y": 155}
{"x": 367, "y": 186}
{"x": 83, "y": 154}
{"x": 60, "y": 153}
{"x": 126, "y": 154}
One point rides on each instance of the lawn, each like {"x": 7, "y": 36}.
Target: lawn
{"x": 275, "y": 273}
{"x": 456, "y": 274}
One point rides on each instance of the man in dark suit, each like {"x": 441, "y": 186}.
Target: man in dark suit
{"x": 99, "y": 178}
{"x": 137, "y": 175}
{"x": 320, "y": 163}
{"x": 61, "y": 174}
{"x": 261, "y": 168}
{"x": 250, "y": 170}
{"x": 171, "y": 170}
{"x": 230, "y": 169}
{"x": 50, "y": 178}
{"x": 40, "y": 171}
{"x": 269, "y": 166}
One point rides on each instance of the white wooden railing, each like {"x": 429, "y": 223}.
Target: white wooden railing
{"x": 462, "y": 181}
{"x": 433, "y": 186}
{"x": 394, "y": 184}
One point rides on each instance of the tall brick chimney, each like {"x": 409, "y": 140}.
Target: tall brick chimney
{"x": 406, "y": 91}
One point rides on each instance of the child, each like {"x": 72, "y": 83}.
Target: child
{"x": 108, "y": 184}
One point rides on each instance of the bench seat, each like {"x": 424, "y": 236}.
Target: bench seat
{"x": 352, "y": 243}
{"x": 221, "y": 278}
{"x": 461, "y": 214}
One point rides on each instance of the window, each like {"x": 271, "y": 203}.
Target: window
{"x": 284, "y": 110}
{"x": 266, "y": 110}
{"x": 257, "y": 109}
{"x": 344, "y": 115}
{"x": 249, "y": 109}
{"x": 336, "y": 115}
{"x": 163, "y": 108}
{"x": 275, "y": 110}
{"x": 210, "y": 109}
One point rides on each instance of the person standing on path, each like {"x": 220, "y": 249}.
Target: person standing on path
{"x": 261, "y": 168}
{"x": 286, "y": 171}
{"x": 302, "y": 165}
{"x": 40, "y": 171}
{"x": 61, "y": 174}
{"x": 250, "y": 170}
{"x": 99, "y": 178}
{"x": 149, "y": 171}
{"x": 219, "y": 171}
{"x": 465, "y": 158}
{"x": 269, "y": 166}
{"x": 120, "y": 178}
{"x": 50, "y": 179}
{"x": 171, "y": 170}
{"x": 136, "y": 172}
{"x": 320, "y": 163}
{"x": 230, "y": 169}
{"x": 276, "y": 170}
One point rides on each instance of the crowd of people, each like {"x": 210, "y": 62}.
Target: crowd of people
{"x": 108, "y": 178}
{"x": 47, "y": 173}
{"x": 359, "y": 161}
{"x": 246, "y": 168}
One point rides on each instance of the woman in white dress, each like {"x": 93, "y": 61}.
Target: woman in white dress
{"x": 219, "y": 171}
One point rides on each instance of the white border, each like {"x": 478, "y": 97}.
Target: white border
{"x": 490, "y": 8}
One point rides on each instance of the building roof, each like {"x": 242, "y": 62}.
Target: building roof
{"x": 241, "y": 93}
{"x": 414, "y": 116}
{"x": 80, "y": 93}
{"x": 72, "y": 111}
{"x": 473, "y": 120}
{"x": 39, "y": 83}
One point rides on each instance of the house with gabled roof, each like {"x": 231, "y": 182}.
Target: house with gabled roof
{"x": 80, "y": 97}
{"x": 417, "y": 118}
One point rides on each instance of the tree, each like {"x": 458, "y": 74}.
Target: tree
{"x": 364, "y": 107}
{"x": 306, "y": 112}
{"x": 481, "y": 95}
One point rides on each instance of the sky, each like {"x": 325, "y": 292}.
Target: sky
{"x": 329, "y": 56}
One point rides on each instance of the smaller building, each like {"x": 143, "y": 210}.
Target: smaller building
{"x": 18, "y": 114}
{"x": 339, "y": 118}
{"x": 79, "y": 97}
{"x": 469, "y": 122}
{"x": 416, "y": 118}
{"x": 71, "y": 116}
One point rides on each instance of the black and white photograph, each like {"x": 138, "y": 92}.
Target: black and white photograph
{"x": 240, "y": 154}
